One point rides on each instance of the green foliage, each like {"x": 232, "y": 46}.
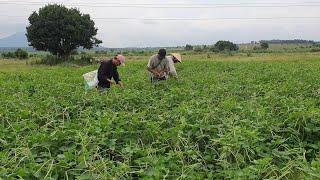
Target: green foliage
{"x": 60, "y": 30}
{"x": 8, "y": 55}
{"x": 85, "y": 59}
{"x": 264, "y": 45}
{"x": 229, "y": 120}
{"x": 188, "y": 47}
{"x": 198, "y": 49}
{"x": 19, "y": 53}
{"x": 50, "y": 60}
{"x": 225, "y": 46}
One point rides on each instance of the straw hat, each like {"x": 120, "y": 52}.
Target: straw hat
{"x": 177, "y": 56}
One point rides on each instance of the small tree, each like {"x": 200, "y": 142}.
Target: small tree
{"x": 225, "y": 46}
{"x": 21, "y": 54}
{"x": 60, "y": 30}
{"x": 264, "y": 45}
{"x": 188, "y": 47}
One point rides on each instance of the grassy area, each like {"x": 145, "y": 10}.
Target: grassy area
{"x": 227, "y": 117}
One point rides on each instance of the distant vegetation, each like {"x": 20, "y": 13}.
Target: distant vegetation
{"x": 188, "y": 47}
{"x": 225, "y": 46}
{"x": 18, "y": 54}
{"x": 295, "y": 41}
{"x": 264, "y": 45}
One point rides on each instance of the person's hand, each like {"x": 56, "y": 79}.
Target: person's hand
{"x": 112, "y": 82}
{"x": 121, "y": 84}
{"x": 156, "y": 74}
{"x": 162, "y": 73}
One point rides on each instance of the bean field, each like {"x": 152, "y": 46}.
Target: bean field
{"x": 222, "y": 119}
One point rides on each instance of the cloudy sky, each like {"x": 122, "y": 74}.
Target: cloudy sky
{"x": 144, "y": 23}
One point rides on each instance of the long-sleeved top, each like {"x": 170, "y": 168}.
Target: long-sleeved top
{"x": 107, "y": 70}
{"x": 172, "y": 69}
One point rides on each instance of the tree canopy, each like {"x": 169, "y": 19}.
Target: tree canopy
{"x": 225, "y": 45}
{"x": 264, "y": 45}
{"x": 60, "y": 30}
{"x": 188, "y": 47}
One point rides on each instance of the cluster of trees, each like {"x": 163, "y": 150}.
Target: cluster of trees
{"x": 19, "y": 53}
{"x": 225, "y": 46}
{"x": 220, "y": 46}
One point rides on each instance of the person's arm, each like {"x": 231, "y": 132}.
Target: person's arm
{"x": 116, "y": 77}
{"x": 167, "y": 68}
{"x": 151, "y": 69}
{"x": 110, "y": 81}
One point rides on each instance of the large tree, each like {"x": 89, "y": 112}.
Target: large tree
{"x": 225, "y": 46}
{"x": 60, "y": 30}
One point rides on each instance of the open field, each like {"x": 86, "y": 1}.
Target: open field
{"x": 227, "y": 117}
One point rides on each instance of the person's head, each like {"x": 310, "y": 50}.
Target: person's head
{"x": 162, "y": 54}
{"x": 176, "y": 58}
{"x": 118, "y": 60}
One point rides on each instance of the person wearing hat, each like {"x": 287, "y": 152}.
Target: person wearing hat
{"x": 174, "y": 58}
{"x": 158, "y": 66}
{"x": 108, "y": 70}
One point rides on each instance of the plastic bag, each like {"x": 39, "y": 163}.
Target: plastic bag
{"x": 91, "y": 79}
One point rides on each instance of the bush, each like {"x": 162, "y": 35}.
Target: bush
{"x": 50, "y": 60}
{"x": 198, "y": 49}
{"x": 19, "y": 53}
{"x": 225, "y": 46}
{"x": 315, "y": 50}
{"x": 8, "y": 55}
{"x": 85, "y": 59}
{"x": 264, "y": 45}
{"x": 188, "y": 47}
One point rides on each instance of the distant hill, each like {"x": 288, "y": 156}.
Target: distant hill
{"x": 15, "y": 40}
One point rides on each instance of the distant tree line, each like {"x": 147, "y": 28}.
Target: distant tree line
{"x": 295, "y": 41}
{"x": 19, "y": 54}
{"x": 219, "y": 46}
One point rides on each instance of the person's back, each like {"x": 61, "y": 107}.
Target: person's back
{"x": 172, "y": 69}
{"x": 173, "y": 58}
{"x": 105, "y": 72}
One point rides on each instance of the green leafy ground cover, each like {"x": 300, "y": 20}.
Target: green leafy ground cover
{"x": 221, "y": 120}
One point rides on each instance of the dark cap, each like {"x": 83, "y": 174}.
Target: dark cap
{"x": 162, "y": 53}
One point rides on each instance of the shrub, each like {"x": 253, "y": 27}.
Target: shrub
{"x": 188, "y": 47}
{"x": 21, "y": 54}
{"x": 198, "y": 49}
{"x": 85, "y": 59}
{"x": 315, "y": 50}
{"x": 8, "y": 55}
{"x": 225, "y": 46}
{"x": 264, "y": 45}
{"x": 50, "y": 60}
